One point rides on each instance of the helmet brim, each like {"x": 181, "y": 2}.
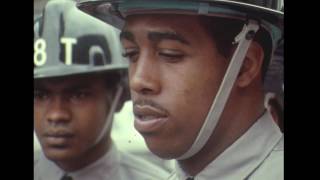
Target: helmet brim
{"x": 63, "y": 70}
{"x": 204, "y": 7}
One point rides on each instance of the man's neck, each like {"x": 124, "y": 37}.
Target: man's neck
{"x": 233, "y": 123}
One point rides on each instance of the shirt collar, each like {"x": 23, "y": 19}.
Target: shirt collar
{"x": 244, "y": 155}
{"x": 107, "y": 164}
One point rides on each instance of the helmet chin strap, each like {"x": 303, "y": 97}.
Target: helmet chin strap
{"x": 111, "y": 113}
{"x": 243, "y": 39}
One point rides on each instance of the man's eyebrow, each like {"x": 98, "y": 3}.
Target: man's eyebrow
{"x": 39, "y": 87}
{"x": 78, "y": 87}
{"x": 127, "y": 35}
{"x": 158, "y": 36}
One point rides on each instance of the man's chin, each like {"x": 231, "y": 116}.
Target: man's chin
{"x": 166, "y": 152}
{"x": 58, "y": 154}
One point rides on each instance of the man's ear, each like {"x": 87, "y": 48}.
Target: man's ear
{"x": 252, "y": 64}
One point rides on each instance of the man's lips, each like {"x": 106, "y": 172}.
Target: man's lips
{"x": 148, "y": 118}
{"x": 58, "y": 133}
{"x": 58, "y": 138}
{"x": 147, "y": 112}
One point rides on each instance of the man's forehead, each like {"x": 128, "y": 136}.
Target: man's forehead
{"x": 160, "y": 22}
{"x": 182, "y": 28}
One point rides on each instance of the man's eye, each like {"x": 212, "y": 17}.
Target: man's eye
{"x": 40, "y": 95}
{"x": 79, "y": 95}
{"x": 171, "y": 56}
{"x": 132, "y": 55}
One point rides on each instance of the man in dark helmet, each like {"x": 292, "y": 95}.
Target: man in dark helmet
{"x": 79, "y": 84}
{"x": 196, "y": 73}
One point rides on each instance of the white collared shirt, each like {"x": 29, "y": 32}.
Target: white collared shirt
{"x": 114, "y": 165}
{"x": 256, "y": 155}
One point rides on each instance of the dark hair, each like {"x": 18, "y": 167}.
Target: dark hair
{"x": 115, "y": 78}
{"x": 112, "y": 79}
{"x": 223, "y": 31}
{"x": 278, "y": 109}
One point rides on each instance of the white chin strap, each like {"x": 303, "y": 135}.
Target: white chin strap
{"x": 111, "y": 113}
{"x": 243, "y": 39}
{"x": 267, "y": 98}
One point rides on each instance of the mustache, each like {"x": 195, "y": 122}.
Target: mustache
{"x": 148, "y": 102}
{"x": 58, "y": 132}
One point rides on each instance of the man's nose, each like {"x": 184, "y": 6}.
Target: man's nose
{"x": 144, "y": 77}
{"x": 58, "y": 111}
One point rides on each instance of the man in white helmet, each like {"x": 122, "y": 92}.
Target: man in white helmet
{"x": 196, "y": 72}
{"x": 79, "y": 83}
